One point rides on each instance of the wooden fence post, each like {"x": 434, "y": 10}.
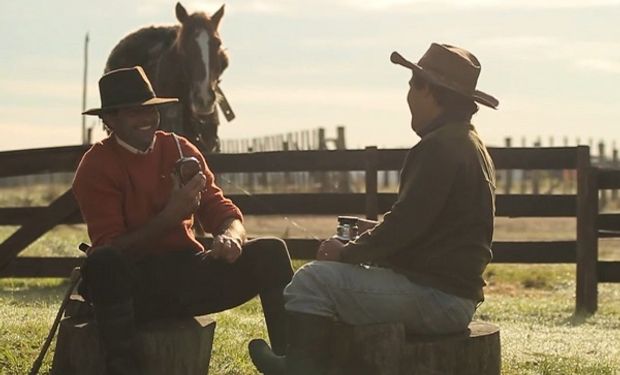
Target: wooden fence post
{"x": 536, "y": 174}
{"x": 602, "y": 163}
{"x": 508, "y": 172}
{"x": 323, "y": 175}
{"x": 263, "y": 178}
{"x": 322, "y": 141}
{"x": 587, "y": 233}
{"x": 288, "y": 181}
{"x": 525, "y": 174}
{"x": 566, "y": 174}
{"x": 372, "y": 199}
{"x": 614, "y": 164}
{"x": 344, "y": 184}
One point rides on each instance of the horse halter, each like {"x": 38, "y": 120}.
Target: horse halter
{"x": 222, "y": 102}
{"x": 212, "y": 119}
{"x": 206, "y": 125}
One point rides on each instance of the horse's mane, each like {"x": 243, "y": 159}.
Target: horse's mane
{"x": 140, "y": 47}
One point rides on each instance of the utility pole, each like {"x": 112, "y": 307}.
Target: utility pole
{"x": 85, "y": 138}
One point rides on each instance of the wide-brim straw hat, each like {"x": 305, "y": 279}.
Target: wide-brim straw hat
{"x": 125, "y": 88}
{"x": 451, "y": 67}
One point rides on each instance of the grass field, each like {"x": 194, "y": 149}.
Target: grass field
{"x": 532, "y": 304}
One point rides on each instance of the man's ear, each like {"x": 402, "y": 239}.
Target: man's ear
{"x": 431, "y": 99}
{"x": 109, "y": 120}
{"x": 428, "y": 93}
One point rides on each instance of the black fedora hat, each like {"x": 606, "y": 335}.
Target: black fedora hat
{"x": 124, "y": 88}
{"x": 451, "y": 67}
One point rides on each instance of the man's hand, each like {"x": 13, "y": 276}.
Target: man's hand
{"x": 330, "y": 250}
{"x": 184, "y": 200}
{"x": 92, "y": 249}
{"x": 364, "y": 225}
{"x": 182, "y": 203}
{"x": 225, "y": 247}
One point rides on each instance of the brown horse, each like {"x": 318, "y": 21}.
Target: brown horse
{"x": 183, "y": 61}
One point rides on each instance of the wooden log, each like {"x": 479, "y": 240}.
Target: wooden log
{"x": 386, "y": 349}
{"x": 369, "y": 349}
{"x": 172, "y": 346}
{"x": 478, "y": 353}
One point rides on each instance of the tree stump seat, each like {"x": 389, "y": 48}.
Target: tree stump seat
{"x": 386, "y": 349}
{"x": 168, "y": 346}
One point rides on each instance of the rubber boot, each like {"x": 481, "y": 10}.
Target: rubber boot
{"x": 308, "y": 338}
{"x": 272, "y": 302}
{"x": 265, "y": 360}
{"x": 308, "y": 351}
{"x": 117, "y": 332}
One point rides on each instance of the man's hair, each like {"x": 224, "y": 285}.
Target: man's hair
{"x": 107, "y": 127}
{"x": 455, "y": 105}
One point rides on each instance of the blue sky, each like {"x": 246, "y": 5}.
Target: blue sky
{"x": 554, "y": 65}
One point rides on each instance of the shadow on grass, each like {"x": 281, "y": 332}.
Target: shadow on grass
{"x": 33, "y": 291}
{"x": 577, "y": 319}
{"x": 547, "y": 364}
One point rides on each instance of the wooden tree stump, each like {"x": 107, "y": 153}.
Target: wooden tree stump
{"x": 172, "y": 346}
{"x": 385, "y": 349}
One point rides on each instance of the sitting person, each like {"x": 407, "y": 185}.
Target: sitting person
{"x": 145, "y": 261}
{"x": 423, "y": 264}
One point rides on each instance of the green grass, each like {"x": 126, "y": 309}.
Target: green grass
{"x": 33, "y": 194}
{"x": 62, "y": 241}
{"x": 532, "y": 304}
{"x": 538, "y": 331}
{"x": 28, "y": 308}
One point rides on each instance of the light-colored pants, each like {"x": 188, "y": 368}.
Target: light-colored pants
{"x": 357, "y": 295}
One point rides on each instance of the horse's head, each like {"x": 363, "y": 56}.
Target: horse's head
{"x": 204, "y": 58}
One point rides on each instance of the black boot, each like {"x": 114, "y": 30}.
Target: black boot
{"x": 308, "y": 344}
{"x": 272, "y": 302}
{"x": 265, "y": 360}
{"x": 117, "y": 332}
{"x": 308, "y": 347}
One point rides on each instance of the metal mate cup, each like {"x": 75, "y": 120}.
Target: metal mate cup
{"x": 347, "y": 228}
{"x": 186, "y": 168}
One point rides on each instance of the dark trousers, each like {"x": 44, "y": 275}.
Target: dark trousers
{"x": 184, "y": 283}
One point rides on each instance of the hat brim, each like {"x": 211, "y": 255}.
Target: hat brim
{"x": 478, "y": 96}
{"x": 150, "y": 102}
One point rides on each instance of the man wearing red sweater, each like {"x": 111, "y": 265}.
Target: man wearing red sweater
{"x": 145, "y": 262}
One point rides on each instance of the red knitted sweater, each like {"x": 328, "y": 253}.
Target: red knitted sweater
{"x": 119, "y": 191}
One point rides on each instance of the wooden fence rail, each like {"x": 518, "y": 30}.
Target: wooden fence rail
{"x": 583, "y": 205}
{"x": 608, "y": 226}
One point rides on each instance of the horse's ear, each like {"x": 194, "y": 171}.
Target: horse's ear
{"x": 217, "y": 17}
{"x": 182, "y": 15}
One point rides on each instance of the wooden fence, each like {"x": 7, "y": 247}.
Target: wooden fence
{"x": 303, "y": 140}
{"x": 34, "y": 221}
{"x": 549, "y": 182}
